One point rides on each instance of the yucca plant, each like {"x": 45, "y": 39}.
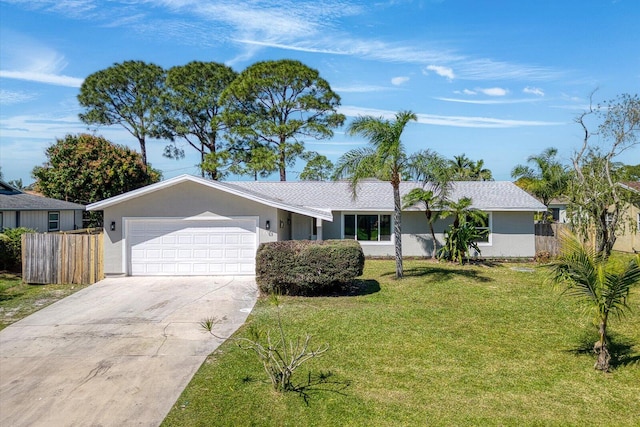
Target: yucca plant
{"x": 588, "y": 275}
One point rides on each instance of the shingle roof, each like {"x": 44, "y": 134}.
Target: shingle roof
{"x": 12, "y": 199}
{"x": 378, "y": 195}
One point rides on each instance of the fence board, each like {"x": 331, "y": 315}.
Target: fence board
{"x": 62, "y": 258}
{"x": 548, "y": 237}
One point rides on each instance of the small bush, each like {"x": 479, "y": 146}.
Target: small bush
{"x": 11, "y": 248}
{"x": 305, "y": 267}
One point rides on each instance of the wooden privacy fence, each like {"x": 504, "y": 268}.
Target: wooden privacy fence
{"x": 548, "y": 237}
{"x": 62, "y": 258}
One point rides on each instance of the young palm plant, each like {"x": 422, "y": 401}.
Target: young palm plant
{"x": 588, "y": 276}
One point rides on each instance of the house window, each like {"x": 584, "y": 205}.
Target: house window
{"x": 54, "y": 221}
{"x": 1, "y": 222}
{"x": 555, "y": 214}
{"x": 368, "y": 227}
{"x": 484, "y": 226}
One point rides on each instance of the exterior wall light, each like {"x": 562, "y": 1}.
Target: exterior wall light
{"x": 113, "y": 226}
{"x": 267, "y": 225}
{"x": 281, "y": 224}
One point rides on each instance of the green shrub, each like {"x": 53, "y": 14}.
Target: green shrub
{"x": 11, "y": 248}
{"x": 305, "y": 267}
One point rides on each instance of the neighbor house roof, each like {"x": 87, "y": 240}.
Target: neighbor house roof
{"x": 12, "y": 199}
{"x": 631, "y": 185}
{"x": 374, "y": 195}
{"x": 320, "y": 199}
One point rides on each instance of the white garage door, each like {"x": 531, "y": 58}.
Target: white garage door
{"x": 187, "y": 247}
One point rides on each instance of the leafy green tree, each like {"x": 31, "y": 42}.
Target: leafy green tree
{"x": 192, "y": 109}
{"x": 318, "y": 167}
{"x": 597, "y": 202}
{"x": 604, "y": 289}
{"x": 630, "y": 173}
{"x": 272, "y": 104}
{"x": 127, "y": 94}
{"x": 86, "y": 168}
{"x": 549, "y": 179}
{"x": 384, "y": 159}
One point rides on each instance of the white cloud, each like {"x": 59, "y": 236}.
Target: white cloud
{"x": 493, "y": 91}
{"x": 489, "y": 101}
{"x": 533, "y": 91}
{"x": 441, "y": 71}
{"x": 23, "y": 58}
{"x": 397, "y": 81}
{"x": 9, "y": 97}
{"x": 453, "y": 121}
{"x": 359, "y": 88}
{"x": 58, "y": 80}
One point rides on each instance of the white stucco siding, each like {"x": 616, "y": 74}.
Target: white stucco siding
{"x": 184, "y": 200}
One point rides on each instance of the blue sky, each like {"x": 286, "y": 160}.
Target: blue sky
{"x": 496, "y": 80}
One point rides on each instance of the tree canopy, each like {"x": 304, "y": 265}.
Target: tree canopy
{"x": 462, "y": 168}
{"x": 597, "y": 202}
{"x": 273, "y": 104}
{"x": 318, "y": 167}
{"x": 127, "y": 94}
{"x": 192, "y": 110}
{"x": 86, "y": 168}
{"x": 548, "y": 180}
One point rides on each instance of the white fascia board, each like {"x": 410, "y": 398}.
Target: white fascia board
{"x": 315, "y": 213}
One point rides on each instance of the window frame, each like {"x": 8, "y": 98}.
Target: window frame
{"x": 489, "y": 227}
{"x": 367, "y": 213}
{"x": 53, "y": 221}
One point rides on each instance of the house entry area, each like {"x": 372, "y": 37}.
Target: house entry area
{"x": 183, "y": 247}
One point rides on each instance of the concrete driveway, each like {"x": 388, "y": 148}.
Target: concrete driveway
{"x": 117, "y": 353}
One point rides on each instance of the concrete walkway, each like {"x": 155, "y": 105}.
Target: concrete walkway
{"x": 117, "y": 353}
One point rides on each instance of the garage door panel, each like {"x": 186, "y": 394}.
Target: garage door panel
{"x": 182, "y": 247}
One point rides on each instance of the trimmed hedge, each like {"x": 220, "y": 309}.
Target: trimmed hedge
{"x": 306, "y": 267}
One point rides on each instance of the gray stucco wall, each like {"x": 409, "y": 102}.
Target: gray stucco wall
{"x": 184, "y": 200}
{"x": 512, "y": 235}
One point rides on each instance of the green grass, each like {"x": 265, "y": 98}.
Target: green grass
{"x": 18, "y": 299}
{"x": 447, "y": 345}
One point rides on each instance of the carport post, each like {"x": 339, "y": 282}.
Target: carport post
{"x": 319, "y": 229}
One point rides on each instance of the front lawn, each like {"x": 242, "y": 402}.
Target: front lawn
{"x": 447, "y": 345}
{"x": 18, "y": 299}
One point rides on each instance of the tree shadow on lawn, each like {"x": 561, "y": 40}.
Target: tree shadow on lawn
{"x": 620, "y": 348}
{"x": 439, "y": 273}
{"x": 357, "y": 287}
{"x": 315, "y": 384}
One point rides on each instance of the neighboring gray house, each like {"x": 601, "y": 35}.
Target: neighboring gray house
{"x": 19, "y": 209}
{"x": 189, "y": 225}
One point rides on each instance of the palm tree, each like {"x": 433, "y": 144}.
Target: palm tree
{"x": 432, "y": 169}
{"x": 460, "y": 167}
{"x": 463, "y": 234}
{"x": 550, "y": 178}
{"x": 479, "y": 172}
{"x": 384, "y": 159}
{"x": 588, "y": 276}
